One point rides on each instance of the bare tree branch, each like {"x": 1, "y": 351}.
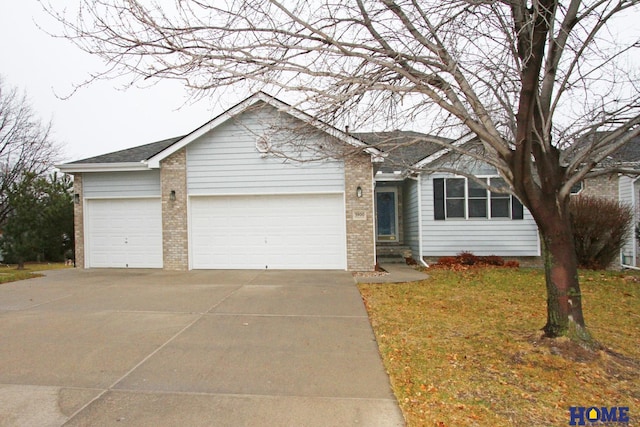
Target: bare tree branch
{"x": 25, "y": 143}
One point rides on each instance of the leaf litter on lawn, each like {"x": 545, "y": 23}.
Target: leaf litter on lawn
{"x": 464, "y": 348}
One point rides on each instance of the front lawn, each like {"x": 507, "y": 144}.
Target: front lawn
{"x": 464, "y": 348}
{"x": 9, "y": 273}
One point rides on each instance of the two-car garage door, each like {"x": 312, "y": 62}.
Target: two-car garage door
{"x": 276, "y": 231}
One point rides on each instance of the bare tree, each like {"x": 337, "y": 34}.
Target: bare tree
{"x": 26, "y": 147}
{"x": 528, "y": 77}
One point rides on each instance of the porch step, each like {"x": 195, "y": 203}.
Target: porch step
{"x": 392, "y": 253}
{"x": 391, "y": 259}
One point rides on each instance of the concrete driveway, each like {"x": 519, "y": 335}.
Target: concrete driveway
{"x": 203, "y": 348}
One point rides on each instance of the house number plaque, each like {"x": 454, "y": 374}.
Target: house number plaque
{"x": 359, "y": 215}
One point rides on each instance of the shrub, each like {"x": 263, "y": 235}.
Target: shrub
{"x": 599, "y": 230}
{"x": 467, "y": 258}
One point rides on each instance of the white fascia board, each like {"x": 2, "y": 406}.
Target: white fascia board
{"x": 435, "y": 156}
{"x": 102, "y": 167}
{"x": 389, "y": 176}
{"x": 154, "y": 162}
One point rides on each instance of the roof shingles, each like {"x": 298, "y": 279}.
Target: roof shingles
{"x": 131, "y": 155}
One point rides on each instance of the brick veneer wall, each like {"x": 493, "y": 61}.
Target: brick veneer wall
{"x": 175, "y": 245}
{"x": 78, "y": 221}
{"x": 601, "y": 186}
{"x": 358, "y": 171}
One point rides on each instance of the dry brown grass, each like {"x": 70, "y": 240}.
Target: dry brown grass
{"x": 9, "y": 273}
{"x": 463, "y": 348}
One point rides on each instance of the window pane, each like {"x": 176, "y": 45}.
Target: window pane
{"x": 455, "y": 208}
{"x": 499, "y": 183}
{"x": 500, "y": 207}
{"x": 477, "y": 190}
{"x": 455, "y": 187}
{"x": 477, "y": 208}
{"x": 576, "y": 188}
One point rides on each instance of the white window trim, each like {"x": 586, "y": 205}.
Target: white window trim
{"x": 466, "y": 201}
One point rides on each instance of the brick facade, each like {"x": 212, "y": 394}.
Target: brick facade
{"x": 601, "y": 186}
{"x": 173, "y": 178}
{"x": 358, "y": 171}
{"x": 78, "y": 221}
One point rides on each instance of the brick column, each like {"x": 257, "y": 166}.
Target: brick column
{"x": 78, "y": 221}
{"x": 175, "y": 244}
{"x": 358, "y": 172}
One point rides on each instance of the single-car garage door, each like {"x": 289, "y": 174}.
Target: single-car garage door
{"x": 276, "y": 231}
{"x": 124, "y": 233}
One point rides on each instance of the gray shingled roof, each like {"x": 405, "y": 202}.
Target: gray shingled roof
{"x": 628, "y": 153}
{"x": 135, "y": 154}
{"x": 404, "y": 148}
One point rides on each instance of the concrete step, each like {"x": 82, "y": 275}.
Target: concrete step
{"x": 391, "y": 259}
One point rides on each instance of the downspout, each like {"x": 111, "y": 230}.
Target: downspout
{"x": 420, "y": 257}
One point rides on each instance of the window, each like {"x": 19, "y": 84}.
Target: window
{"x": 462, "y": 198}
{"x": 477, "y": 199}
{"x": 577, "y": 188}
{"x": 455, "y": 198}
{"x": 500, "y": 202}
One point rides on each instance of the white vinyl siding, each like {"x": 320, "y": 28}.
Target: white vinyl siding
{"x": 277, "y": 232}
{"x": 123, "y": 233}
{"x": 411, "y": 217}
{"x": 496, "y": 236}
{"x": 226, "y": 161}
{"x": 121, "y": 184}
{"x": 627, "y": 193}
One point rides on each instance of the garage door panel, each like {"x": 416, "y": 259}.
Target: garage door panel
{"x": 124, "y": 233}
{"x": 283, "y": 232}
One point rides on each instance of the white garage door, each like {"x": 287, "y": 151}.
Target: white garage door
{"x": 124, "y": 233}
{"x": 279, "y": 232}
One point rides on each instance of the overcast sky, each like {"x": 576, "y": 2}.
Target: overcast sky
{"x": 102, "y": 117}
{"x": 99, "y": 118}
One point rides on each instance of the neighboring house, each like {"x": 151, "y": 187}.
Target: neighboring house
{"x": 264, "y": 185}
{"x": 621, "y": 187}
{"x": 625, "y": 188}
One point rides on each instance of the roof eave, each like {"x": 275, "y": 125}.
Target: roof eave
{"x": 103, "y": 167}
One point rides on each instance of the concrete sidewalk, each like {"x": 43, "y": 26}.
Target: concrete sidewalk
{"x": 204, "y": 348}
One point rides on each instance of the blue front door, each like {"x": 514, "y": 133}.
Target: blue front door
{"x": 387, "y": 214}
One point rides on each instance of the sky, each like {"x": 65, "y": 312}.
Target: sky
{"x": 101, "y": 117}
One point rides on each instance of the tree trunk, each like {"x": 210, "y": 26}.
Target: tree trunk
{"x": 564, "y": 300}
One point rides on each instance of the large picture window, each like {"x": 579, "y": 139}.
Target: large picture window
{"x": 462, "y": 198}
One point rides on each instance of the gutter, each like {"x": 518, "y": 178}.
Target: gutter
{"x": 102, "y": 167}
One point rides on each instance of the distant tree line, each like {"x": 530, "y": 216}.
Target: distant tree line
{"x": 36, "y": 206}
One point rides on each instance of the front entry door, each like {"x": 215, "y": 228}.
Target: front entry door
{"x": 387, "y": 214}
